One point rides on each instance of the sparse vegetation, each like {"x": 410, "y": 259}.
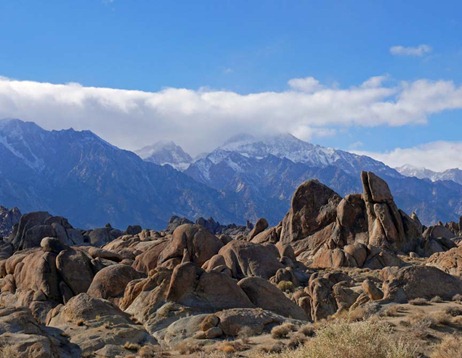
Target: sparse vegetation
{"x": 419, "y": 302}
{"x": 286, "y": 286}
{"x": 450, "y": 347}
{"x": 353, "y": 340}
{"x": 437, "y": 299}
{"x": 9, "y": 352}
{"x": 283, "y": 330}
{"x": 188, "y": 347}
{"x": 132, "y": 346}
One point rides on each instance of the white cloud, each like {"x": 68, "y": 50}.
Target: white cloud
{"x": 201, "y": 119}
{"x": 437, "y": 156}
{"x": 307, "y": 84}
{"x": 417, "y": 51}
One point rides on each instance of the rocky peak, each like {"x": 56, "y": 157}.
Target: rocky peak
{"x": 166, "y": 152}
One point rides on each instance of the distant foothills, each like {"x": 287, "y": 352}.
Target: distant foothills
{"x": 78, "y": 175}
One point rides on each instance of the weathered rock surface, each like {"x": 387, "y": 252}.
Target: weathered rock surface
{"x": 313, "y": 207}
{"x": 193, "y": 287}
{"x": 249, "y": 259}
{"x": 33, "y": 227}
{"x": 111, "y": 281}
{"x": 21, "y": 335}
{"x": 93, "y": 323}
{"x": 449, "y": 261}
{"x": 421, "y": 282}
{"x": 267, "y": 296}
{"x": 328, "y": 231}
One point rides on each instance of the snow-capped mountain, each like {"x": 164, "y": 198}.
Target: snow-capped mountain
{"x": 454, "y": 174}
{"x": 80, "y": 176}
{"x": 264, "y": 172}
{"x": 289, "y": 147}
{"x": 166, "y": 153}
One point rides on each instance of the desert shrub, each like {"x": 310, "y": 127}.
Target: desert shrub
{"x": 393, "y": 310}
{"x": 286, "y": 286}
{"x": 450, "y": 347}
{"x": 296, "y": 340}
{"x": 437, "y": 299}
{"x": 282, "y": 331}
{"x": 132, "y": 346}
{"x": 232, "y": 347}
{"x": 150, "y": 351}
{"x": 454, "y": 311}
{"x": 419, "y": 302}
{"x": 353, "y": 340}
{"x": 307, "y": 330}
{"x": 457, "y": 298}
{"x": 244, "y": 334}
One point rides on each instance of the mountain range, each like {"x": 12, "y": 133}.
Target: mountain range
{"x": 78, "y": 175}
{"x": 454, "y": 174}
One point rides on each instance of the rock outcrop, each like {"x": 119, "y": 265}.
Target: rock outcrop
{"x": 328, "y": 231}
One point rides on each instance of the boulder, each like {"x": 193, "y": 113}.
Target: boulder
{"x": 52, "y": 244}
{"x": 259, "y": 227}
{"x": 22, "y": 336}
{"x": 149, "y": 259}
{"x": 371, "y": 290}
{"x": 35, "y": 226}
{"x": 37, "y": 272}
{"x": 267, "y": 296}
{"x": 385, "y": 223}
{"x": 191, "y": 286}
{"x": 93, "y": 323}
{"x": 449, "y": 261}
{"x": 249, "y": 259}
{"x": 313, "y": 207}
{"x": 75, "y": 269}
{"x": 323, "y": 303}
{"x": 198, "y": 242}
{"x": 111, "y": 281}
{"x": 421, "y": 282}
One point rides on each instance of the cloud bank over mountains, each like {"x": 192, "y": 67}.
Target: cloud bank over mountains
{"x": 437, "y": 156}
{"x": 201, "y": 119}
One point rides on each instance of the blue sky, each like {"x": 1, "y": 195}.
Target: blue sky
{"x": 199, "y": 71}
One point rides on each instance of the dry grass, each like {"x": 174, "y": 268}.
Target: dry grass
{"x": 394, "y": 310}
{"x": 450, "y": 347}
{"x": 353, "y": 340}
{"x": 9, "y": 352}
{"x": 282, "y": 331}
{"x": 457, "y": 298}
{"x": 150, "y": 351}
{"x": 188, "y": 347}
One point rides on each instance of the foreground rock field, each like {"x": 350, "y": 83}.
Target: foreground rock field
{"x": 337, "y": 275}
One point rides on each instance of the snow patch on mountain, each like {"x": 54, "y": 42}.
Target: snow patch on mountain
{"x": 454, "y": 175}
{"x": 166, "y": 153}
